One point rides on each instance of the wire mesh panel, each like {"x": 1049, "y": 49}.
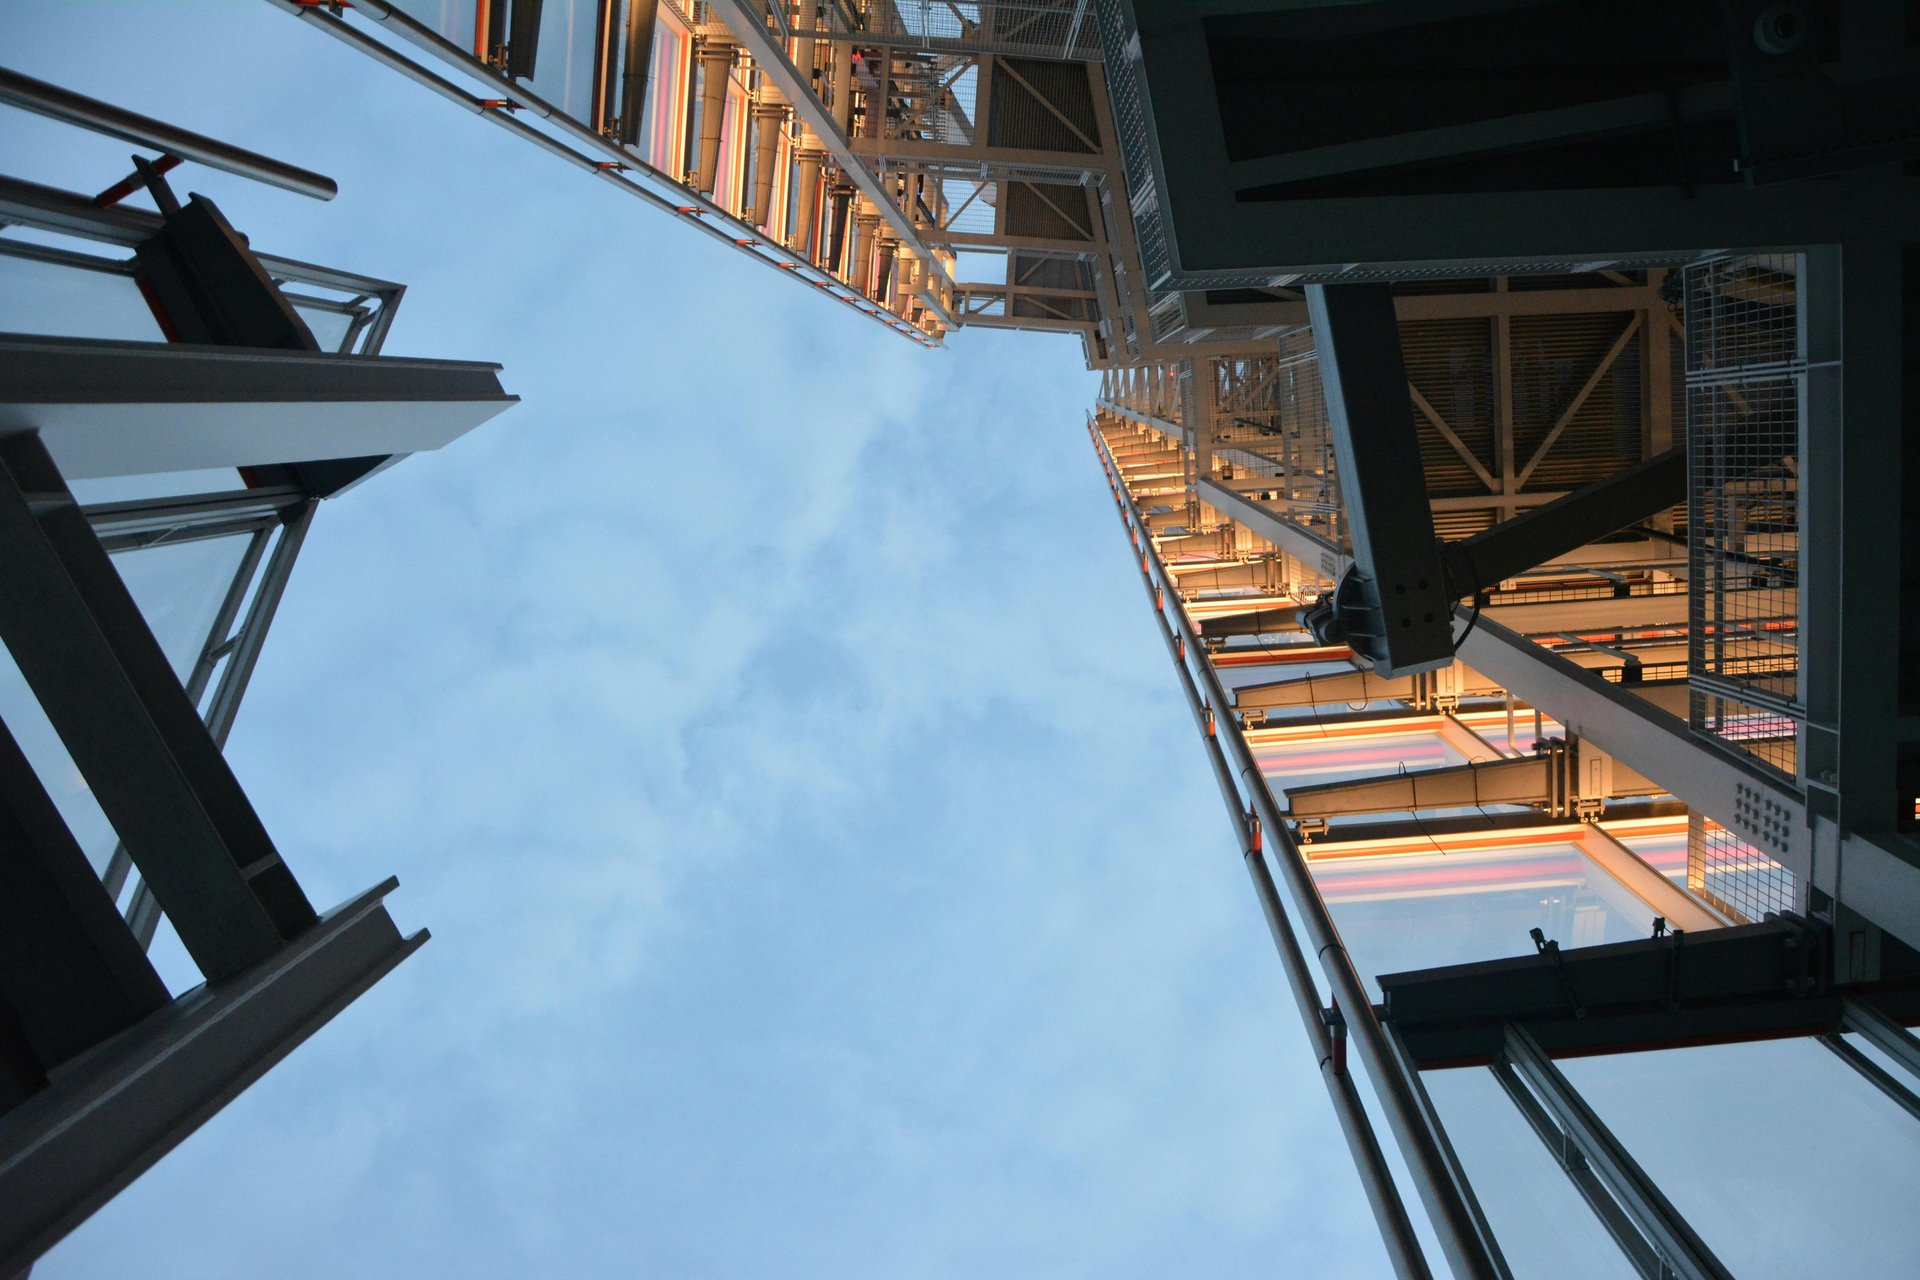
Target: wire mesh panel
{"x": 1743, "y": 384}
{"x": 1037, "y": 28}
{"x": 1736, "y": 877}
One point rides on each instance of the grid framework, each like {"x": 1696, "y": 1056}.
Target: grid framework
{"x": 1744, "y": 375}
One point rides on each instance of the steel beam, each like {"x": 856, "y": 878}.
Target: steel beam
{"x": 77, "y": 1143}
{"x": 1398, "y": 577}
{"x": 1898, "y": 1092}
{"x": 1567, "y": 1153}
{"x": 1356, "y": 686}
{"x": 133, "y": 408}
{"x": 1301, "y": 543}
{"x": 1680, "y": 1248}
{"x": 1664, "y": 898}
{"x": 1753, "y": 804}
{"x": 1426, "y": 835}
{"x": 1861, "y": 1017}
{"x": 1549, "y": 778}
{"x": 746, "y": 20}
{"x": 70, "y": 974}
{"x": 1556, "y": 528}
{"x": 1606, "y": 615}
{"x": 117, "y": 705}
{"x": 1169, "y": 431}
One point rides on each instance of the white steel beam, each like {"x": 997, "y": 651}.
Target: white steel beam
{"x": 135, "y": 408}
{"x": 746, "y": 19}
{"x": 1758, "y": 808}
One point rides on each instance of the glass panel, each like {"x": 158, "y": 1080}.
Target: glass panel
{"x": 457, "y": 20}
{"x": 1824, "y": 1195}
{"x": 563, "y": 72}
{"x": 1342, "y": 754}
{"x": 179, "y": 587}
{"x": 161, "y": 484}
{"x": 329, "y": 327}
{"x": 669, "y": 90}
{"x": 70, "y": 302}
{"x": 1404, "y": 911}
{"x": 1544, "y": 1226}
{"x": 1665, "y": 853}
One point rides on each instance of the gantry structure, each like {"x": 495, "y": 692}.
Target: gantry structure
{"x": 1510, "y": 410}
{"x": 176, "y": 405}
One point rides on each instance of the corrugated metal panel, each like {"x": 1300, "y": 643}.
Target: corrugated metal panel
{"x": 1038, "y": 271}
{"x": 1029, "y": 99}
{"x": 1053, "y": 211}
{"x": 1451, "y": 363}
{"x": 1553, "y": 357}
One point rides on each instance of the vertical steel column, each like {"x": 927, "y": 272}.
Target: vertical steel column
{"x": 253, "y": 632}
{"x": 1471, "y": 1252}
{"x": 769, "y": 120}
{"x": 1680, "y": 1248}
{"x": 1389, "y": 1211}
{"x": 805, "y": 241}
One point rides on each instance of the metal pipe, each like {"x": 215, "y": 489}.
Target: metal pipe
{"x": 803, "y": 27}
{"x": 1453, "y": 1218}
{"x": 842, "y": 207}
{"x": 883, "y": 272}
{"x": 843, "y": 88}
{"x": 769, "y": 121}
{"x": 253, "y": 631}
{"x": 1389, "y": 1210}
{"x": 859, "y": 262}
{"x": 805, "y": 240}
{"x": 716, "y": 60}
{"x": 90, "y": 113}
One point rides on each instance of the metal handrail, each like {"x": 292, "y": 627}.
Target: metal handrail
{"x": 65, "y": 105}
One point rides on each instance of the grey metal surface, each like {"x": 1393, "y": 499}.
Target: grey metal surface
{"x": 76, "y": 1144}
{"x": 1398, "y": 583}
{"x": 1897, "y": 1091}
{"x": 117, "y": 705}
{"x": 124, "y": 408}
{"x": 1883, "y": 1033}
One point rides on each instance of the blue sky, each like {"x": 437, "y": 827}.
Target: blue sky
{"x": 767, "y": 721}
